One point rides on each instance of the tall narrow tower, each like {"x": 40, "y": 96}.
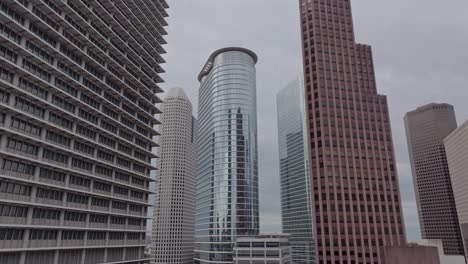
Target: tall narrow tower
{"x": 426, "y": 129}
{"x": 296, "y": 203}
{"x": 354, "y": 183}
{"x": 227, "y": 177}
{"x": 174, "y": 212}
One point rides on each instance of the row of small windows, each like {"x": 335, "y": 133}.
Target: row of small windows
{"x": 40, "y": 53}
{"x": 30, "y": 149}
{"x": 45, "y": 76}
{"x": 39, "y": 111}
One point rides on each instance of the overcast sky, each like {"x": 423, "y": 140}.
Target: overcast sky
{"x": 420, "y": 50}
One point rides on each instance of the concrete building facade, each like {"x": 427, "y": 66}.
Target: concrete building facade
{"x": 296, "y": 202}
{"x": 263, "y": 249}
{"x": 174, "y": 208}
{"x": 79, "y": 81}
{"x": 356, "y": 205}
{"x": 227, "y": 172}
{"x": 456, "y": 146}
{"x": 426, "y": 129}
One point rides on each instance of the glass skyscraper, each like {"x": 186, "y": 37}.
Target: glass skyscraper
{"x": 227, "y": 177}
{"x": 294, "y": 172}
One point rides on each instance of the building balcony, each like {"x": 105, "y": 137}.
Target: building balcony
{"x": 42, "y": 243}
{"x": 49, "y": 201}
{"x": 116, "y": 242}
{"x": 45, "y": 222}
{"x": 98, "y": 225}
{"x": 74, "y": 224}
{"x": 7, "y": 220}
{"x": 96, "y": 242}
{"x": 77, "y": 205}
{"x": 72, "y": 243}
{"x": 114, "y": 226}
{"x": 11, "y": 244}
{"x": 16, "y": 174}
{"x": 15, "y": 197}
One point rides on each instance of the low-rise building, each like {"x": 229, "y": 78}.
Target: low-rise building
{"x": 262, "y": 249}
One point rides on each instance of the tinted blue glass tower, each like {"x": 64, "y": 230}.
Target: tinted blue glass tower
{"x": 227, "y": 173}
{"x": 296, "y": 205}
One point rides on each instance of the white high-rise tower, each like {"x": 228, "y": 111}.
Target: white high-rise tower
{"x": 174, "y": 215}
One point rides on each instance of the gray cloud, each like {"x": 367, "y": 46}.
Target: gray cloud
{"x": 420, "y": 56}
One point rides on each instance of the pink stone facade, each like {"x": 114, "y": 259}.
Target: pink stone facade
{"x": 411, "y": 255}
{"x": 354, "y": 183}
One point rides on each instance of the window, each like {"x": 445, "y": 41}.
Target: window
{"x": 65, "y": 87}
{"x": 40, "y": 213}
{"x": 21, "y": 146}
{"x": 85, "y": 148}
{"x": 76, "y": 180}
{"x": 102, "y": 186}
{"x": 52, "y": 175}
{"x": 11, "y": 234}
{"x": 33, "y": 88}
{"x": 9, "y": 33}
{"x": 68, "y": 71}
{"x": 65, "y": 105}
{"x": 103, "y": 171}
{"x": 77, "y": 198}
{"x": 89, "y": 101}
{"x": 139, "y": 168}
{"x": 110, "y": 113}
{"x": 6, "y": 75}
{"x": 125, "y": 149}
{"x": 39, "y": 52}
{"x": 75, "y": 216}
{"x": 120, "y": 190}
{"x": 43, "y": 234}
{"x": 93, "y": 218}
{"x": 119, "y": 205}
{"x": 25, "y": 126}
{"x": 109, "y": 127}
{"x": 88, "y": 116}
{"x": 36, "y": 70}
{"x": 29, "y": 107}
{"x": 60, "y": 121}
{"x": 13, "y": 211}
{"x": 91, "y": 86}
{"x": 72, "y": 235}
{"x": 82, "y": 165}
{"x": 58, "y": 138}
{"x": 123, "y": 162}
{"x": 107, "y": 141}
{"x": 105, "y": 156}
{"x": 96, "y": 235}
{"x": 86, "y": 132}
{"x": 122, "y": 176}
{"x": 17, "y": 167}
{"x": 8, "y": 54}
{"x": 100, "y": 202}
{"x": 115, "y": 220}
{"x": 4, "y": 96}
{"x": 49, "y": 194}
{"x": 55, "y": 156}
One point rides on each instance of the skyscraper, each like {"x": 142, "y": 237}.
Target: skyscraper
{"x": 456, "y": 146}
{"x": 426, "y": 129}
{"x": 296, "y": 203}
{"x": 227, "y": 177}
{"x": 356, "y": 204}
{"x": 79, "y": 84}
{"x": 174, "y": 211}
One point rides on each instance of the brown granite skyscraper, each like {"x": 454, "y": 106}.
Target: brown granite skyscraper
{"x": 426, "y": 129}
{"x": 354, "y": 184}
